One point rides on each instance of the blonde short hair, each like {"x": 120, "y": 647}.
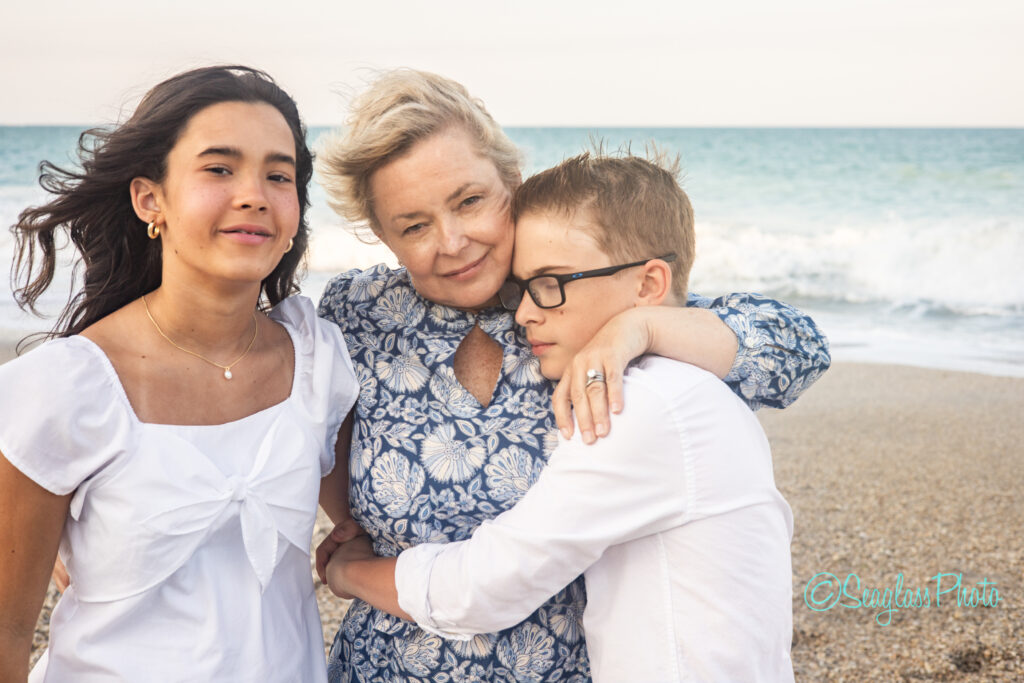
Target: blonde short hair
{"x": 395, "y": 112}
{"x": 636, "y": 203}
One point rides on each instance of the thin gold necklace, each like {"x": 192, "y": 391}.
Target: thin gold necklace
{"x": 225, "y": 368}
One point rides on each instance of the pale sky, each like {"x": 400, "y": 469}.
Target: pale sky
{"x": 575, "y": 63}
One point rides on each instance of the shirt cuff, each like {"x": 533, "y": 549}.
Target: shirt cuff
{"x": 749, "y": 342}
{"x": 412, "y": 581}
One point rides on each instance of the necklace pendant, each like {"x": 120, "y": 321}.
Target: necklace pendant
{"x": 227, "y": 374}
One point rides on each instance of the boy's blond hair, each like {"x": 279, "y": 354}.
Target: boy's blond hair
{"x": 398, "y": 110}
{"x": 636, "y": 204}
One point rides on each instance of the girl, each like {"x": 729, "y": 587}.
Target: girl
{"x": 172, "y": 438}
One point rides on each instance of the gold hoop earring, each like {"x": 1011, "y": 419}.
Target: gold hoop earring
{"x": 291, "y": 243}
{"x": 153, "y": 230}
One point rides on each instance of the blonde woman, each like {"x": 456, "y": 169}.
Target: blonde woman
{"x": 454, "y": 420}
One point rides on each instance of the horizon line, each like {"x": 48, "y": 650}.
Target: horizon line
{"x": 659, "y": 126}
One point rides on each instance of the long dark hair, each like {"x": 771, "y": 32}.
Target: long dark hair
{"x": 93, "y": 204}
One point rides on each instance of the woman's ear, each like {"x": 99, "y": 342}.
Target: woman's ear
{"x": 146, "y": 199}
{"x": 655, "y": 283}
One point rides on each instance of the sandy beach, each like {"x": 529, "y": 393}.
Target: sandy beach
{"x": 893, "y": 471}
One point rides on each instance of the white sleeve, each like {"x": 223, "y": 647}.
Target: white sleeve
{"x": 63, "y": 415}
{"x": 328, "y": 387}
{"x": 629, "y": 484}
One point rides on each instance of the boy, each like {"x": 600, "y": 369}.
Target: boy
{"x": 673, "y": 518}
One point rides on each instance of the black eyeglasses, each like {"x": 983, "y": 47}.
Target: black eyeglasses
{"x": 548, "y": 291}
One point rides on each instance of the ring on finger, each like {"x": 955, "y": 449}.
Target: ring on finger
{"x": 594, "y": 376}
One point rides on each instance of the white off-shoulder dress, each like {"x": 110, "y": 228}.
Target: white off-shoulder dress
{"x": 188, "y": 546}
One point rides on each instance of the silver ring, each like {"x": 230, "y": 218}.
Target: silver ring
{"x": 593, "y": 376}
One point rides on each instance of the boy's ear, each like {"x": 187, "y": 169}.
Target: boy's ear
{"x": 655, "y": 283}
{"x": 146, "y": 199}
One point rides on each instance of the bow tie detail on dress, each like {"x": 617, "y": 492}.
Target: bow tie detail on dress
{"x": 180, "y": 498}
{"x": 273, "y": 499}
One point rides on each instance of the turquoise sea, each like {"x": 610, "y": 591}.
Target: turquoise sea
{"x": 906, "y": 245}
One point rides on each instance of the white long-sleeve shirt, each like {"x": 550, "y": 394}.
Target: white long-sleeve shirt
{"x": 673, "y": 518}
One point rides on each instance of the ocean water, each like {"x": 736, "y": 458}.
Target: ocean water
{"x": 905, "y": 245}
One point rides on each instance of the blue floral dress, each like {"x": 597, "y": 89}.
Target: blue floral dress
{"x": 428, "y": 463}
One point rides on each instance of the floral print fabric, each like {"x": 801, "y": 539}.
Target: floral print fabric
{"x": 781, "y": 351}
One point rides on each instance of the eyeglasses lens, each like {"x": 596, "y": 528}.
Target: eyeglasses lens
{"x": 545, "y": 291}
{"x": 510, "y": 295}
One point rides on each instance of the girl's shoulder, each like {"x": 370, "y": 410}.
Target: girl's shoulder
{"x": 56, "y": 365}
{"x": 325, "y": 383}
{"x": 63, "y": 410}
{"x": 308, "y": 331}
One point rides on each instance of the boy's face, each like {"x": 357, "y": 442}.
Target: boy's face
{"x": 553, "y": 243}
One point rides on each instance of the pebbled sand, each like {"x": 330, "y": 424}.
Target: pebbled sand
{"x": 894, "y": 469}
{"x": 891, "y": 469}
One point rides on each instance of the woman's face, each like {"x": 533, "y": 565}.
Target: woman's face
{"x": 443, "y": 210}
{"x": 228, "y": 204}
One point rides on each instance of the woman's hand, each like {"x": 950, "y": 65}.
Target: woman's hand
{"x": 343, "y": 531}
{"x": 623, "y": 338}
{"x": 356, "y": 548}
{"x": 60, "y": 576}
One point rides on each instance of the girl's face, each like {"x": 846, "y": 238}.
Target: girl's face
{"x": 228, "y": 204}
{"x": 443, "y": 210}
